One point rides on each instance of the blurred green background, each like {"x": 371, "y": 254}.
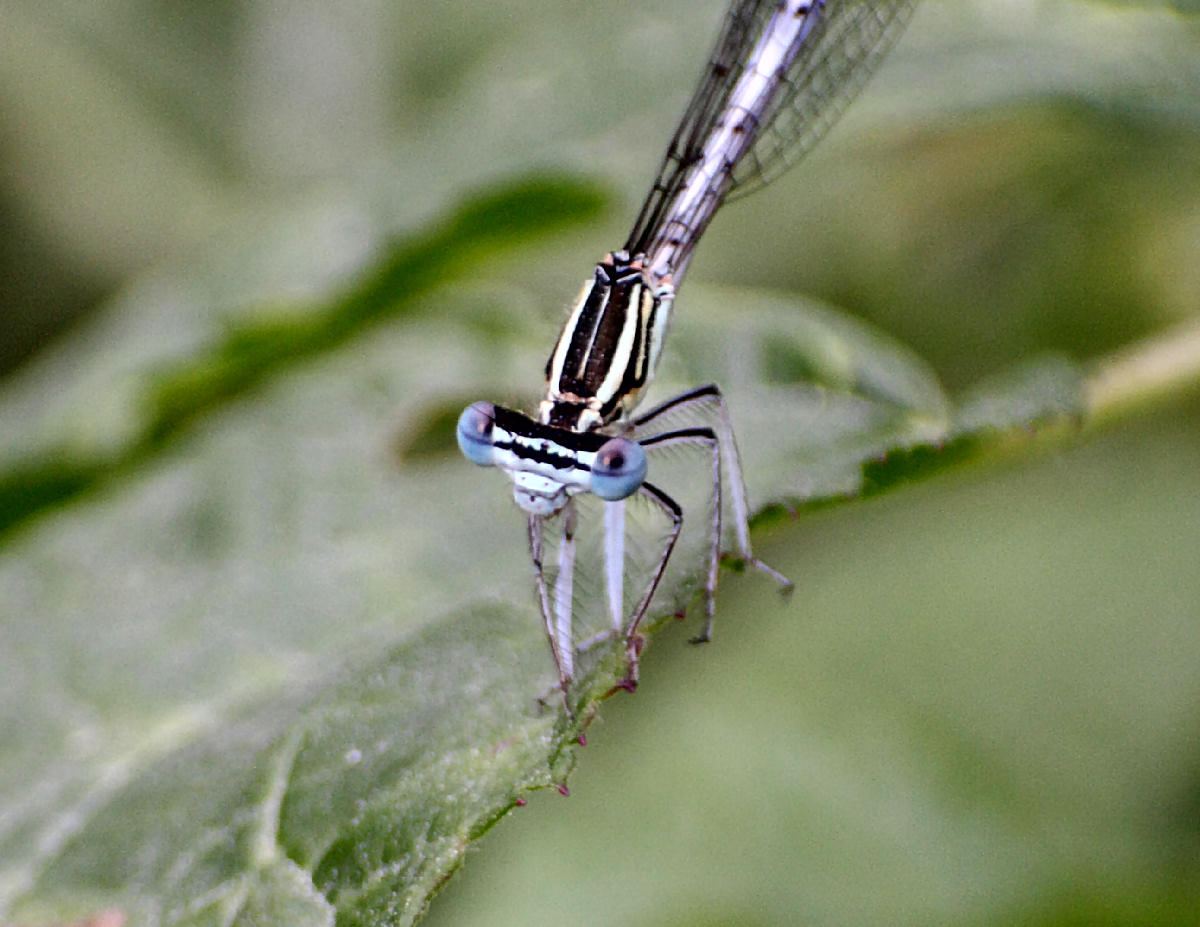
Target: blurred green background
{"x": 982, "y": 705}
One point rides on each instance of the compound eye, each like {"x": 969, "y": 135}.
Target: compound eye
{"x": 619, "y": 469}
{"x": 475, "y": 433}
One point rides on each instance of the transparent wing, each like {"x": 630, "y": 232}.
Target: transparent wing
{"x": 840, "y": 56}
{"x": 742, "y": 25}
{"x": 837, "y": 57}
{"x": 583, "y": 578}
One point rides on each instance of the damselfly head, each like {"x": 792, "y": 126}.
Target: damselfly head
{"x": 618, "y": 469}
{"x": 544, "y": 473}
{"x": 548, "y": 465}
{"x": 474, "y": 432}
{"x": 538, "y": 494}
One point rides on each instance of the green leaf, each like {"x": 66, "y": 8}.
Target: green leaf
{"x": 228, "y": 744}
{"x": 269, "y": 651}
{"x": 359, "y": 801}
{"x": 251, "y": 350}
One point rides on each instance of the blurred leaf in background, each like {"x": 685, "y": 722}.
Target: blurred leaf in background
{"x": 253, "y": 668}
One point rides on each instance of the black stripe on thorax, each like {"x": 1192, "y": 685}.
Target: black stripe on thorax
{"x": 523, "y": 427}
{"x": 593, "y": 341}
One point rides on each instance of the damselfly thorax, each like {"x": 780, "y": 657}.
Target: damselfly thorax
{"x": 606, "y": 353}
{"x": 609, "y": 347}
{"x": 780, "y": 74}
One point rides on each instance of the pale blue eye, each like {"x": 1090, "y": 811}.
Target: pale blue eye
{"x": 475, "y": 433}
{"x": 618, "y": 470}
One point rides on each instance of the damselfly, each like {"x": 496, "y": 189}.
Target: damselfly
{"x": 781, "y": 73}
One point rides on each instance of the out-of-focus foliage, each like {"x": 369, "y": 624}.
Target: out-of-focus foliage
{"x": 268, "y": 652}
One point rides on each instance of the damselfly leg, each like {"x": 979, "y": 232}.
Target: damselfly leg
{"x": 718, "y": 439}
{"x": 556, "y": 596}
{"x": 704, "y": 397}
{"x": 556, "y": 618}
